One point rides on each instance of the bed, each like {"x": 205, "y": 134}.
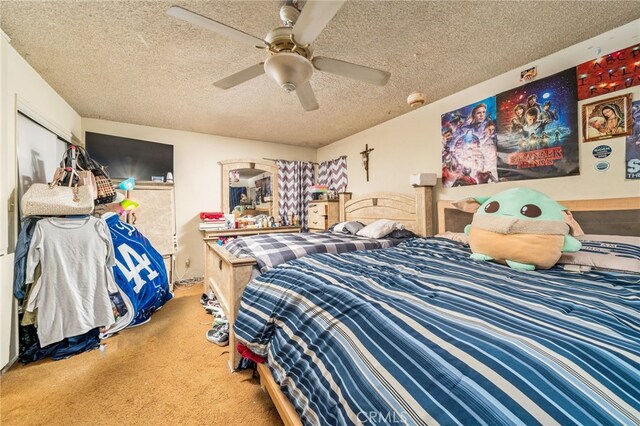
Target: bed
{"x": 421, "y": 334}
{"x": 227, "y": 274}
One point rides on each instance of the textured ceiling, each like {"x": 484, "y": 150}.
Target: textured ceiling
{"x": 128, "y": 61}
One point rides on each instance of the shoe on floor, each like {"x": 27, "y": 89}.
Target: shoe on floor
{"x": 218, "y": 337}
{"x": 220, "y": 321}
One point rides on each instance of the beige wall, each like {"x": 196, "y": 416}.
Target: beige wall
{"x": 20, "y": 85}
{"x": 197, "y": 174}
{"x": 411, "y": 143}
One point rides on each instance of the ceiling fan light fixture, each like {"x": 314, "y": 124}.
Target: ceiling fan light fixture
{"x": 289, "y": 70}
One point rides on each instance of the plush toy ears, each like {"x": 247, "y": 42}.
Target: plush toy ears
{"x": 470, "y": 205}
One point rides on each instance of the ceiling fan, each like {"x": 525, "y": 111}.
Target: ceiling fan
{"x": 291, "y": 62}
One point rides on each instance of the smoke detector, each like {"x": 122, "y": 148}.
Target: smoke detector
{"x": 416, "y": 99}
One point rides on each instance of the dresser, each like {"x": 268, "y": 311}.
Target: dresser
{"x": 323, "y": 214}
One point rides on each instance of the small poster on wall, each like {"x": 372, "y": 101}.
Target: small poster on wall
{"x": 538, "y": 129}
{"x": 469, "y": 144}
{"x": 632, "y": 156}
{"x": 609, "y": 73}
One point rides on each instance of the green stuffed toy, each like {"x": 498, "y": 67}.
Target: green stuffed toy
{"x": 520, "y": 227}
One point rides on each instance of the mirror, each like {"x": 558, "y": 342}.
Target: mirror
{"x": 250, "y": 192}
{"x": 249, "y": 187}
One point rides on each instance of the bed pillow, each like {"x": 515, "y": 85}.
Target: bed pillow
{"x": 459, "y": 237}
{"x": 379, "y": 228}
{"x": 401, "y": 234}
{"x": 351, "y": 227}
{"x": 606, "y": 252}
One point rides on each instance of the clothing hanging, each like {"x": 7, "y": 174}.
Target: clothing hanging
{"x": 72, "y": 294}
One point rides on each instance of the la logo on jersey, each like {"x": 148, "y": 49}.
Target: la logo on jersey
{"x": 135, "y": 264}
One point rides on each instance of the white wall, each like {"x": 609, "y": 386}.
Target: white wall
{"x": 197, "y": 174}
{"x": 20, "y": 84}
{"x": 411, "y": 143}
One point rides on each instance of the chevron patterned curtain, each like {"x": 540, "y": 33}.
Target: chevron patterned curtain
{"x": 295, "y": 178}
{"x": 334, "y": 174}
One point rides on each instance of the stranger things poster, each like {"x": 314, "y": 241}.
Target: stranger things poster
{"x": 538, "y": 129}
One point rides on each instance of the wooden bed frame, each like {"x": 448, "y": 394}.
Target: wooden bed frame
{"x": 227, "y": 275}
{"x": 626, "y": 221}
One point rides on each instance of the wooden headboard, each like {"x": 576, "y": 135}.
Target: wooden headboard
{"x": 614, "y": 216}
{"x": 413, "y": 212}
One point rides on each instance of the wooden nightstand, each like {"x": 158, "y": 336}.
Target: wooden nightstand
{"x": 323, "y": 214}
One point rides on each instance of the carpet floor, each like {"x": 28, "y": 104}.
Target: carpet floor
{"x": 163, "y": 372}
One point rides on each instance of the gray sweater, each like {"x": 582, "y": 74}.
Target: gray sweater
{"x": 72, "y": 294}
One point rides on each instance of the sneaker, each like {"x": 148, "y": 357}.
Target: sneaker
{"x": 218, "y": 337}
{"x": 210, "y": 303}
{"x": 214, "y": 310}
{"x": 204, "y": 299}
{"x": 220, "y": 321}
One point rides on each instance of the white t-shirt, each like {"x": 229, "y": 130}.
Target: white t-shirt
{"x": 72, "y": 294}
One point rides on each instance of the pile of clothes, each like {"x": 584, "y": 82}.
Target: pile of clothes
{"x": 79, "y": 279}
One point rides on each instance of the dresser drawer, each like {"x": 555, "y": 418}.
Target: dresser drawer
{"x": 322, "y": 214}
{"x": 317, "y": 209}
{"x": 317, "y": 221}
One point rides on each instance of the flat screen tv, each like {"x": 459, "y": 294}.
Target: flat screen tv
{"x": 127, "y": 158}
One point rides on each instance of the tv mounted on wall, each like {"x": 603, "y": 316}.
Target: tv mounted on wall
{"x": 125, "y": 157}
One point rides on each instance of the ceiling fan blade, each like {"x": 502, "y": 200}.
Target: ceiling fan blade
{"x": 315, "y": 15}
{"x": 307, "y": 98}
{"x": 209, "y": 24}
{"x": 240, "y": 77}
{"x": 349, "y": 70}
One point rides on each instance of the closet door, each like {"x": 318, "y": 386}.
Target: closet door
{"x": 155, "y": 217}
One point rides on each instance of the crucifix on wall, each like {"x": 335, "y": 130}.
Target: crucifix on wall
{"x": 365, "y": 159}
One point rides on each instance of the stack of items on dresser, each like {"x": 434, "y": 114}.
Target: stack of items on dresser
{"x": 318, "y": 192}
{"x": 219, "y": 332}
{"x": 213, "y": 221}
{"x": 73, "y": 286}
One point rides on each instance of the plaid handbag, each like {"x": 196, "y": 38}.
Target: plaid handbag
{"x": 106, "y": 191}
{"x": 78, "y": 158}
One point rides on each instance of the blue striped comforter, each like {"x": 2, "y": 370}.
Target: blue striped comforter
{"x": 421, "y": 334}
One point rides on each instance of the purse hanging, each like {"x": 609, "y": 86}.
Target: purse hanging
{"x": 68, "y": 176}
{"x": 79, "y": 159}
{"x": 53, "y": 199}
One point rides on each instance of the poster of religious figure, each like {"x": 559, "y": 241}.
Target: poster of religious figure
{"x": 469, "y": 144}
{"x": 538, "y": 129}
{"x": 632, "y": 155}
{"x": 608, "y": 118}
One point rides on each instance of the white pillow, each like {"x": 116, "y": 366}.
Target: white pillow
{"x": 379, "y": 228}
{"x": 338, "y": 228}
{"x": 607, "y": 252}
